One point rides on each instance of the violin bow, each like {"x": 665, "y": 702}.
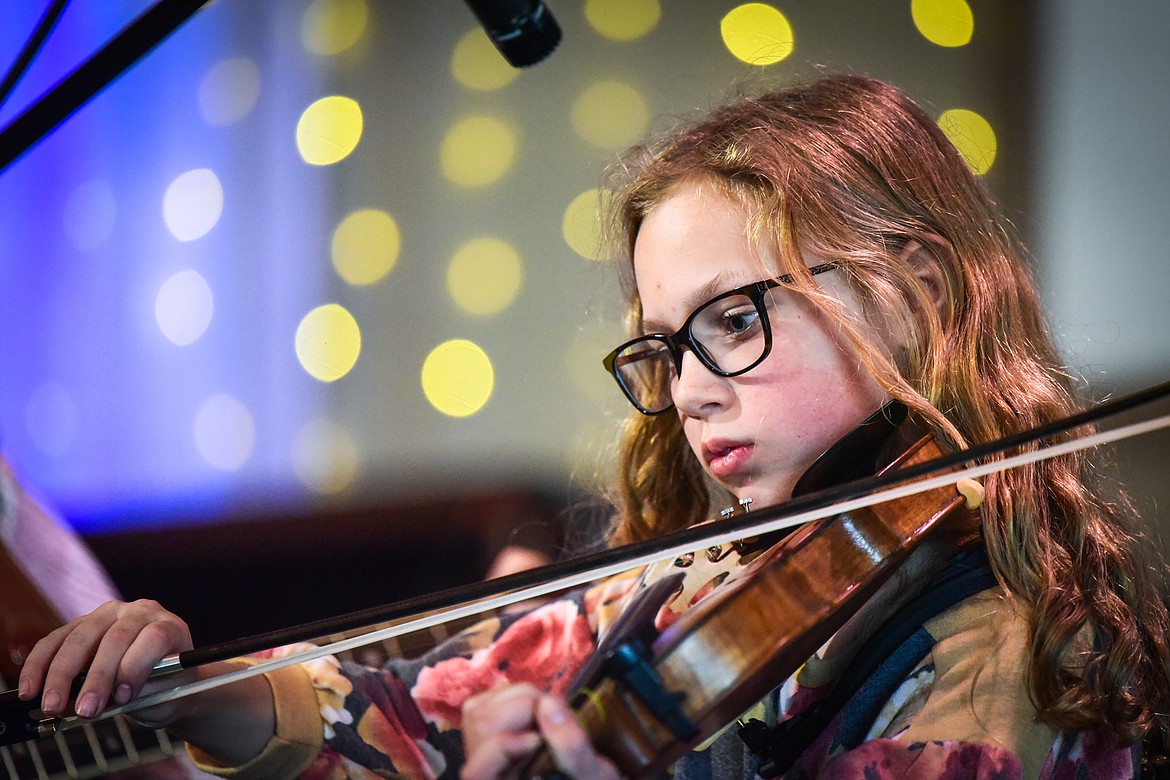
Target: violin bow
{"x": 426, "y": 611}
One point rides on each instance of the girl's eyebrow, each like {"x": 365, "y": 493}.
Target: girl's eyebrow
{"x": 719, "y": 284}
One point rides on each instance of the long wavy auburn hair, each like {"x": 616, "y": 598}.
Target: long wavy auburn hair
{"x": 852, "y": 170}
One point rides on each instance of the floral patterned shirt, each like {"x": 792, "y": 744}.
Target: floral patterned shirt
{"x": 949, "y": 703}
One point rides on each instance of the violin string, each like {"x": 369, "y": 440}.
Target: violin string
{"x": 716, "y": 537}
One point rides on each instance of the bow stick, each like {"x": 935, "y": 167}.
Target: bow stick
{"x": 453, "y": 604}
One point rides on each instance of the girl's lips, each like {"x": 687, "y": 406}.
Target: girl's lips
{"x": 726, "y": 458}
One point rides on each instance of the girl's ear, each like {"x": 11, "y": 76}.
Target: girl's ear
{"x": 924, "y": 265}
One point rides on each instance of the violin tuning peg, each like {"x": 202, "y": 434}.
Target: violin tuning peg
{"x": 743, "y": 506}
{"x": 719, "y": 552}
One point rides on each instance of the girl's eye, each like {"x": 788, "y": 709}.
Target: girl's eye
{"x": 740, "y": 320}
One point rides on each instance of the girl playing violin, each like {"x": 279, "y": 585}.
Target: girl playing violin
{"x": 793, "y": 262}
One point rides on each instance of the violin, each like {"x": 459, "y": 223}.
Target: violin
{"x": 653, "y": 696}
{"x": 648, "y": 696}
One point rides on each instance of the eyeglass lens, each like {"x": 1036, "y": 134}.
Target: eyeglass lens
{"x": 726, "y": 334}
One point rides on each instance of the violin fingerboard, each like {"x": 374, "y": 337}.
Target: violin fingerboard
{"x": 99, "y": 749}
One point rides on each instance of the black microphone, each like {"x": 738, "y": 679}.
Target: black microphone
{"x": 524, "y": 31}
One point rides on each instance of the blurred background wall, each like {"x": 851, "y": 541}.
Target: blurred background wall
{"x": 1100, "y": 203}
{"x": 322, "y": 276}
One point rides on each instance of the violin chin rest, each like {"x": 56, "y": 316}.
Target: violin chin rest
{"x": 857, "y": 454}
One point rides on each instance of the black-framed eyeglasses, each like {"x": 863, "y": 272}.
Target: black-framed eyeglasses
{"x": 729, "y": 334}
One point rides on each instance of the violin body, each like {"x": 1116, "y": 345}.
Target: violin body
{"x": 651, "y": 701}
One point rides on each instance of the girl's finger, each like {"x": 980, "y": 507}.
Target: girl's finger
{"x": 569, "y": 744}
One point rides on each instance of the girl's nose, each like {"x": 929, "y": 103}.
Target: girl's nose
{"x": 696, "y": 390}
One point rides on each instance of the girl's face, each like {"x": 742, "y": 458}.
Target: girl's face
{"x": 756, "y": 433}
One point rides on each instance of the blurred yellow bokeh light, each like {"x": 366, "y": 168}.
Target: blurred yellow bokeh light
{"x": 485, "y": 276}
{"x": 477, "y": 151}
{"x": 623, "y": 20}
{"x": 457, "y": 378}
{"x": 477, "y": 64}
{"x": 758, "y": 34}
{"x": 581, "y": 225}
{"x": 325, "y": 457}
{"x": 944, "y": 22}
{"x": 583, "y": 357}
{"x": 365, "y": 246}
{"x": 610, "y": 115}
{"x": 332, "y": 26}
{"x": 329, "y": 130}
{"x": 972, "y": 135}
{"x": 328, "y": 342}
